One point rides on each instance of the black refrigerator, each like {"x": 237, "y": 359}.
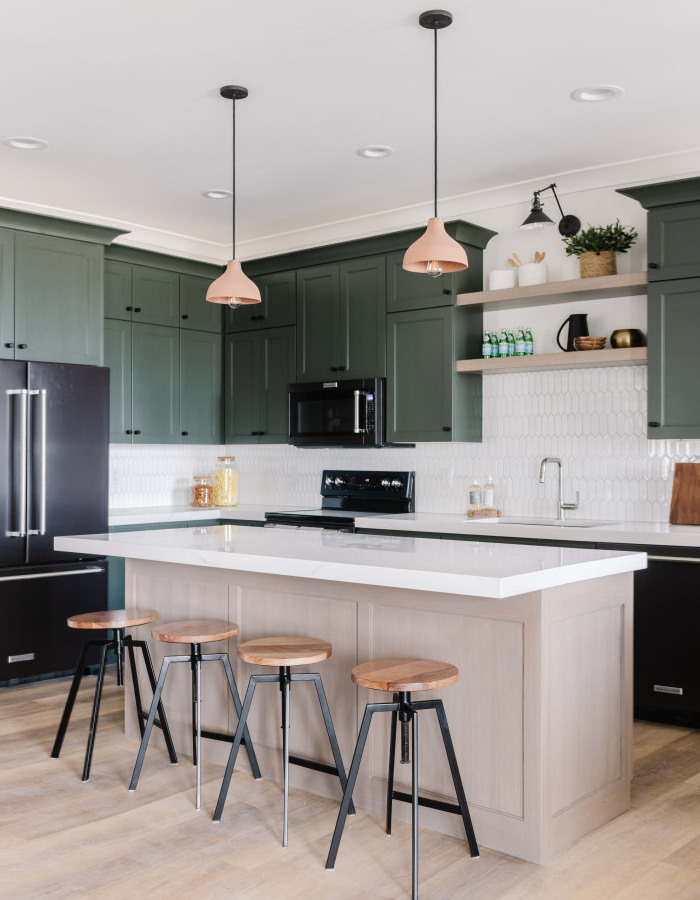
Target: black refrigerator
{"x": 54, "y": 480}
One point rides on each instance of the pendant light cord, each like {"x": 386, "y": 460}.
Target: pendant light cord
{"x": 233, "y": 184}
{"x": 435, "y": 129}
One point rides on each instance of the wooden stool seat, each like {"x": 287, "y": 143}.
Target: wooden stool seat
{"x": 113, "y": 618}
{"x": 195, "y": 631}
{"x": 284, "y": 651}
{"x": 398, "y": 674}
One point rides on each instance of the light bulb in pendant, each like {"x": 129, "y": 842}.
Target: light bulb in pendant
{"x": 434, "y": 268}
{"x": 234, "y": 302}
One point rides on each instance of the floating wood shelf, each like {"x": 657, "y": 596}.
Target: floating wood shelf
{"x": 629, "y": 356}
{"x": 599, "y": 288}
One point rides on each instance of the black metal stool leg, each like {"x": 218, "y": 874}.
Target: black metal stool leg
{"x": 72, "y": 694}
{"x": 414, "y": 802}
{"x": 161, "y": 720}
{"x": 392, "y": 763}
{"x": 284, "y": 688}
{"x": 330, "y": 730}
{"x": 456, "y": 778}
{"x": 135, "y": 684}
{"x": 370, "y": 709}
{"x": 96, "y": 709}
{"x": 246, "y": 740}
{"x": 252, "y": 683}
{"x": 197, "y": 672}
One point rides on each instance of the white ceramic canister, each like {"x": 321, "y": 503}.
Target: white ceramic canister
{"x": 501, "y": 278}
{"x": 532, "y": 273}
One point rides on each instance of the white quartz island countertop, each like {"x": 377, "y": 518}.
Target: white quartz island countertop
{"x": 455, "y": 567}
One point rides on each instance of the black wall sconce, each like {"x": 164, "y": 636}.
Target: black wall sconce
{"x": 568, "y": 225}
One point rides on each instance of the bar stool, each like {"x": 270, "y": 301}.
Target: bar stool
{"x": 284, "y": 652}
{"x": 401, "y": 676}
{"x": 195, "y": 632}
{"x": 117, "y": 620}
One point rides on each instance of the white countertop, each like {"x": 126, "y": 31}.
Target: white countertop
{"x": 145, "y": 515}
{"x": 454, "y": 567}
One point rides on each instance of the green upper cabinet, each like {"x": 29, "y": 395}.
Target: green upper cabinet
{"x": 155, "y": 366}
{"x": 7, "y": 294}
{"x": 341, "y": 320}
{"x": 200, "y": 387}
{"x": 427, "y": 400}
{"x": 259, "y": 366}
{"x": 117, "y": 281}
{"x": 141, "y": 293}
{"x": 277, "y": 307}
{"x": 195, "y": 312}
{"x": 673, "y": 238}
{"x": 673, "y": 359}
{"x": 58, "y": 299}
{"x": 408, "y": 290}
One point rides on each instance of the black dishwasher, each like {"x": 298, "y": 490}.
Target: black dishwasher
{"x": 667, "y": 638}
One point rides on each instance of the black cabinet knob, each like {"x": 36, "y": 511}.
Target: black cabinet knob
{"x": 130, "y": 309}
{"x": 334, "y": 368}
{"x": 129, "y": 431}
{"x": 22, "y": 346}
{"x": 446, "y": 291}
{"x": 654, "y": 424}
{"x": 137, "y": 309}
{"x": 185, "y": 433}
{"x": 137, "y": 431}
{"x": 185, "y": 317}
{"x": 446, "y": 428}
{"x": 653, "y": 265}
{"x": 342, "y": 369}
{"x": 9, "y": 345}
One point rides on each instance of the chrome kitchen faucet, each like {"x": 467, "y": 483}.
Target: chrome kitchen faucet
{"x": 562, "y": 505}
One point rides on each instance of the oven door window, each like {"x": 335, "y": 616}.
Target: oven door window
{"x": 319, "y": 414}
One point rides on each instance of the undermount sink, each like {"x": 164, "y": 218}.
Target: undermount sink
{"x": 556, "y": 523}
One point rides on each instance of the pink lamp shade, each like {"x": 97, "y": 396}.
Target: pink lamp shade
{"x": 435, "y": 252}
{"x": 233, "y": 287}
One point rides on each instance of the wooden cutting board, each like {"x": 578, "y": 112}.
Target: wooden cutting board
{"x": 685, "y": 500}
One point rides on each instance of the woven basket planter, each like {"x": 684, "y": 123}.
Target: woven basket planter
{"x": 597, "y": 262}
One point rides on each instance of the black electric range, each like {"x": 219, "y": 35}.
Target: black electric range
{"x": 347, "y": 494}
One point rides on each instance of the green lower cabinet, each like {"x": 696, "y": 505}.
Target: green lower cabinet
{"x": 673, "y": 362}
{"x": 427, "y": 400}
{"x": 155, "y": 367}
{"x": 258, "y": 366}
{"x": 201, "y": 387}
{"x": 117, "y": 357}
{"x": 58, "y": 299}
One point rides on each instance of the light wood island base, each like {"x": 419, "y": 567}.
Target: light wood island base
{"x": 541, "y": 715}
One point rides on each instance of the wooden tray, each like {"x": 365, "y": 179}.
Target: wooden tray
{"x": 685, "y": 500}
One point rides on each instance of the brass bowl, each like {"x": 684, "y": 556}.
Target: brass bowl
{"x": 627, "y": 337}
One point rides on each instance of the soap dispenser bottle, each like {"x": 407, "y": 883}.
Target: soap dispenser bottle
{"x": 488, "y": 496}
{"x": 475, "y": 495}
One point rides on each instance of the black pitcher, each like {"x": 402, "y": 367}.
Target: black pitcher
{"x": 578, "y": 327}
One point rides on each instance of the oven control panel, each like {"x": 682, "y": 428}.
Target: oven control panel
{"x": 367, "y": 485}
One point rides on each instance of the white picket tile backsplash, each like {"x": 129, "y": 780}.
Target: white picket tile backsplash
{"x": 593, "y": 419}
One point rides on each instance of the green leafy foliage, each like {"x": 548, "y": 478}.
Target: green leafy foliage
{"x": 601, "y": 237}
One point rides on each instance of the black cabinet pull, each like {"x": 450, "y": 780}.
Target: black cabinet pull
{"x": 654, "y": 424}
{"x": 185, "y": 317}
{"x": 129, "y": 431}
{"x": 137, "y": 309}
{"x": 342, "y": 369}
{"x": 334, "y": 368}
{"x": 9, "y": 345}
{"x": 137, "y": 431}
{"x": 446, "y": 291}
{"x": 257, "y": 432}
{"x": 446, "y": 428}
{"x": 653, "y": 265}
{"x": 22, "y": 346}
{"x": 185, "y": 433}
{"x": 130, "y": 309}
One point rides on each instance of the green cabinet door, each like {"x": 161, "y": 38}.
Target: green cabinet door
{"x": 427, "y": 400}
{"x": 673, "y": 360}
{"x": 58, "y": 299}
{"x": 241, "y": 388}
{"x": 7, "y": 294}
{"x": 200, "y": 387}
{"x": 155, "y": 354}
{"x": 118, "y": 303}
{"x": 318, "y": 323}
{"x": 278, "y": 292}
{"x": 155, "y": 296}
{"x": 277, "y": 361}
{"x": 362, "y": 318}
{"x": 673, "y": 238}
{"x": 117, "y": 356}
{"x": 409, "y": 290}
{"x": 195, "y": 312}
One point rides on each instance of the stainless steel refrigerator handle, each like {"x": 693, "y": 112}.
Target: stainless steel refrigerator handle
{"x": 21, "y": 497}
{"x": 90, "y": 570}
{"x": 40, "y": 476}
{"x": 356, "y": 429}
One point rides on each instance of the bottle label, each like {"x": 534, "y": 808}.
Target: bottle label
{"x": 475, "y": 498}
{"x": 488, "y": 498}
{"x": 520, "y": 347}
{"x": 503, "y": 348}
{"x": 486, "y": 347}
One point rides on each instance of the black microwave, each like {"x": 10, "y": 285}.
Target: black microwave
{"x": 337, "y": 413}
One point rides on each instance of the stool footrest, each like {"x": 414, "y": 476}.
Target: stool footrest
{"x": 312, "y": 764}
{"x": 220, "y": 736}
{"x": 442, "y": 805}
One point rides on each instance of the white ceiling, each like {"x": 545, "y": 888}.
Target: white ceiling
{"x": 127, "y": 96}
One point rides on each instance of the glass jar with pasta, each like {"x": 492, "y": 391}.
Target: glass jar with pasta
{"x": 226, "y": 482}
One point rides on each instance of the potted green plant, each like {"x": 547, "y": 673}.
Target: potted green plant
{"x": 597, "y": 245}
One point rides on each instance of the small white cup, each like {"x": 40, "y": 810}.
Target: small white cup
{"x": 501, "y": 278}
{"x": 532, "y": 273}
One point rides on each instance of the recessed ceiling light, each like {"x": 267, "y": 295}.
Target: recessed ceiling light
{"x": 217, "y": 194}
{"x": 597, "y": 93}
{"x": 375, "y": 151}
{"x": 25, "y": 143}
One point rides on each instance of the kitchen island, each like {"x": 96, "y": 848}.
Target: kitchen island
{"x": 541, "y": 716}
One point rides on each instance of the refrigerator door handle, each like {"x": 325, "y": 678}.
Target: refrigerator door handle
{"x": 88, "y": 570}
{"x": 40, "y": 474}
{"x": 19, "y": 499}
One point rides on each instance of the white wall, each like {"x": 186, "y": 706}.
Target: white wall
{"x": 594, "y": 419}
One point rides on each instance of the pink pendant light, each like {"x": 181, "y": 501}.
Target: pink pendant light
{"x": 435, "y": 251}
{"x": 233, "y": 287}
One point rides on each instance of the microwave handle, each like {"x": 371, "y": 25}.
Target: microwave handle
{"x": 356, "y": 429}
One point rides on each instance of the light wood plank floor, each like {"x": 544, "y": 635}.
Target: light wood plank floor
{"x": 61, "y": 838}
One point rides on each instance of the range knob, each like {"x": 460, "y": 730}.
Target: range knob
{"x": 339, "y": 482}
{"x": 329, "y": 481}
{"x": 386, "y": 482}
{"x": 396, "y": 483}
